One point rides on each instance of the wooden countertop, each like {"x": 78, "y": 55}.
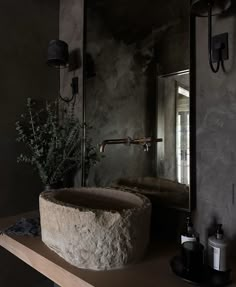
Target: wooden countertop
{"x": 153, "y": 271}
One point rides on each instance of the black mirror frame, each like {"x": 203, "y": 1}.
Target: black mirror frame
{"x": 193, "y": 170}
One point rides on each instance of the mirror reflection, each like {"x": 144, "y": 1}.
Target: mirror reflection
{"x": 138, "y": 97}
{"x": 173, "y": 156}
{"x": 173, "y": 125}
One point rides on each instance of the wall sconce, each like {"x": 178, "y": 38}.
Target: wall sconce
{"x": 218, "y": 50}
{"x": 58, "y": 57}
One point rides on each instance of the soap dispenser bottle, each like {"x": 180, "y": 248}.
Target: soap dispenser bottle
{"x": 217, "y": 250}
{"x": 189, "y": 234}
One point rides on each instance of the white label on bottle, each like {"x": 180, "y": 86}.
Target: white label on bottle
{"x": 187, "y": 238}
{"x": 216, "y": 258}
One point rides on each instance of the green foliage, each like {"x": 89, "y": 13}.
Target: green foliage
{"x": 53, "y": 146}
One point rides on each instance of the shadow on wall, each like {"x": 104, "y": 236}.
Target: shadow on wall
{"x": 75, "y": 61}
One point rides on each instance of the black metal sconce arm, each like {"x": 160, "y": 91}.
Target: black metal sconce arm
{"x": 218, "y": 50}
{"x": 75, "y": 90}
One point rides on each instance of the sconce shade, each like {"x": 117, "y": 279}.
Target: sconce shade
{"x": 58, "y": 54}
{"x": 200, "y": 7}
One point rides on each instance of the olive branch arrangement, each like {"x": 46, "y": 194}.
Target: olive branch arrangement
{"x": 53, "y": 143}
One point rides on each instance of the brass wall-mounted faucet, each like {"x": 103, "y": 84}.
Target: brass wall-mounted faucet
{"x": 145, "y": 142}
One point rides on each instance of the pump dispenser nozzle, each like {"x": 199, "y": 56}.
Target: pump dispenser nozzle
{"x": 219, "y": 232}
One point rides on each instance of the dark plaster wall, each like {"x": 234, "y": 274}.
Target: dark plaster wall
{"x": 216, "y": 130}
{"x": 173, "y": 46}
{"x": 26, "y": 28}
{"x": 132, "y": 21}
{"x": 25, "y": 35}
{"x": 71, "y": 23}
{"x": 121, "y": 98}
{"x": 71, "y": 31}
{"x": 119, "y": 103}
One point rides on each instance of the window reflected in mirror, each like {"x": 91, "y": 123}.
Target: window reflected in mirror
{"x": 173, "y": 114}
{"x": 182, "y": 134}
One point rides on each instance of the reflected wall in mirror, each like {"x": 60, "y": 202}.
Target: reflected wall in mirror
{"x": 126, "y": 60}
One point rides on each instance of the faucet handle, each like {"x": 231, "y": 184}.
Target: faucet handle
{"x": 129, "y": 141}
{"x": 146, "y": 146}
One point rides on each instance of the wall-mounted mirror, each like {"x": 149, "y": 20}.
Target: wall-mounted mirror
{"x": 139, "y": 97}
{"x": 173, "y": 125}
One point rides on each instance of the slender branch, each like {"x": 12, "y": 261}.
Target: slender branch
{"x": 32, "y": 123}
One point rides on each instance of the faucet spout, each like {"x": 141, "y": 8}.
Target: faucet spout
{"x": 128, "y": 141}
{"x": 113, "y": 141}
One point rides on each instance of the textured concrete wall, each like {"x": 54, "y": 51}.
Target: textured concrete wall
{"x": 121, "y": 98}
{"x": 71, "y": 31}
{"x": 26, "y": 28}
{"x": 119, "y": 104}
{"x": 173, "y": 46}
{"x": 132, "y": 21}
{"x": 216, "y": 133}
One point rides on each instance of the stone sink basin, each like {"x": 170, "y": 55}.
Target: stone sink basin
{"x": 95, "y": 228}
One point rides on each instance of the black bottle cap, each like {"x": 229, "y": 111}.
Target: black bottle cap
{"x": 219, "y": 231}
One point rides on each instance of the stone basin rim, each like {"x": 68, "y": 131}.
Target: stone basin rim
{"x": 139, "y": 201}
{"x": 95, "y": 239}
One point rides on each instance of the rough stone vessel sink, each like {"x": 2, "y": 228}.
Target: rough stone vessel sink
{"x": 95, "y": 228}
